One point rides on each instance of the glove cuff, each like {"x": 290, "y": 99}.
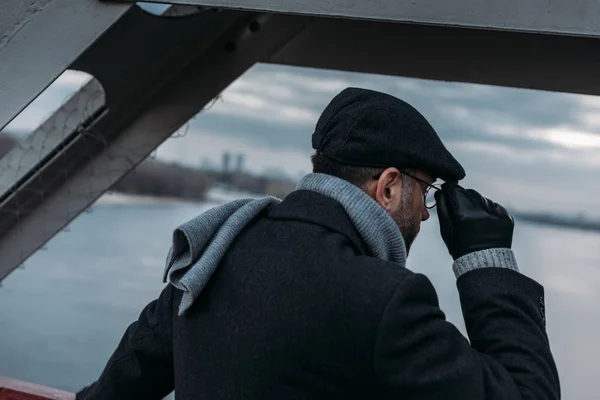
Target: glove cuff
{"x": 488, "y": 258}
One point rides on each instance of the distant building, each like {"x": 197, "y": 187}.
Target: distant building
{"x": 239, "y": 167}
{"x": 226, "y": 161}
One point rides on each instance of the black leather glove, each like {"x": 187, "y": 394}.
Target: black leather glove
{"x": 470, "y": 222}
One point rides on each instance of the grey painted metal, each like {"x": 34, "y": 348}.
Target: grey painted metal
{"x": 193, "y": 59}
{"x": 38, "y": 41}
{"x": 571, "y": 17}
{"x": 18, "y": 164}
{"x": 544, "y": 62}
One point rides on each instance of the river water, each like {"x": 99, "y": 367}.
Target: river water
{"x": 63, "y": 314}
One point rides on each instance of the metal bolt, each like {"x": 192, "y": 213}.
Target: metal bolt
{"x": 254, "y": 26}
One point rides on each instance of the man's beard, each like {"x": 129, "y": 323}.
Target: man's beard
{"x": 405, "y": 221}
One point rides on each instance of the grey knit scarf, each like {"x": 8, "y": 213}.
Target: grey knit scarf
{"x": 200, "y": 244}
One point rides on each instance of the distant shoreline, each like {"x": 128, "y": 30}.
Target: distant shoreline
{"x": 559, "y": 221}
{"x": 118, "y": 198}
{"x": 220, "y": 195}
{"x": 215, "y": 195}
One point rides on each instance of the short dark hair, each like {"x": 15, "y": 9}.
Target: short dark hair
{"x": 358, "y": 176}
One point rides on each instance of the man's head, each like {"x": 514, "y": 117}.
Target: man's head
{"x": 387, "y": 148}
{"x": 401, "y": 195}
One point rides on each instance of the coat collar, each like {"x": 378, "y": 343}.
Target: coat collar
{"x": 317, "y": 209}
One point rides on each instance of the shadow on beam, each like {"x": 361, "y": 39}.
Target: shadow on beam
{"x": 523, "y": 60}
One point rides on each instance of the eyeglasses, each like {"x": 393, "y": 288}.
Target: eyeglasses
{"x": 428, "y": 195}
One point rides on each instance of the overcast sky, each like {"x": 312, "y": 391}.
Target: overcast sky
{"x": 526, "y": 149}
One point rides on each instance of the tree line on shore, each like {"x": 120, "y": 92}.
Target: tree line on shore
{"x": 161, "y": 179}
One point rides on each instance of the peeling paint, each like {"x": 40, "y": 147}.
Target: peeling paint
{"x": 39, "y": 39}
{"x": 32, "y": 10}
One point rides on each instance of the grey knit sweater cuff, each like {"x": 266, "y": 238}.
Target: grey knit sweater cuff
{"x": 489, "y": 258}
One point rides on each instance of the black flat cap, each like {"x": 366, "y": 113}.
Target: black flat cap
{"x": 371, "y": 129}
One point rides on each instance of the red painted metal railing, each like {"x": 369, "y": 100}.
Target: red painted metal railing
{"x": 11, "y": 389}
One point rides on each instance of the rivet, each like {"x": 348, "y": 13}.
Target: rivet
{"x": 254, "y": 26}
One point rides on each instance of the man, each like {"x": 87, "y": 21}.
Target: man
{"x": 309, "y": 298}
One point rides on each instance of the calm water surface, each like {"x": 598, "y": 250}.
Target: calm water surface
{"x": 62, "y": 316}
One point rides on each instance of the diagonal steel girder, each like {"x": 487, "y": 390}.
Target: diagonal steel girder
{"x": 39, "y": 39}
{"x": 156, "y": 73}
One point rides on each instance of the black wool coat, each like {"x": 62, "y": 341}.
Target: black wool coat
{"x": 298, "y": 310}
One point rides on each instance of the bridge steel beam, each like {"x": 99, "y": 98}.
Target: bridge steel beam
{"x": 539, "y": 44}
{"x": 178, "y": 66}
{"x": 511, "y": 59}
{"x": 39, "y": 39}
{"x": 567, "y": 17}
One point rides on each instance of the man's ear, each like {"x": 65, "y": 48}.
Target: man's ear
{"x": 388, "y": 189}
